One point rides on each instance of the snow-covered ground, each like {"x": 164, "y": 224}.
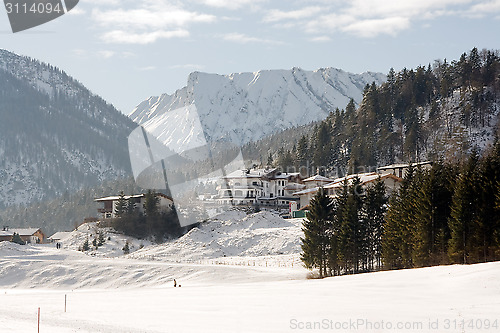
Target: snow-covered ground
{"x": 258, "y": 286}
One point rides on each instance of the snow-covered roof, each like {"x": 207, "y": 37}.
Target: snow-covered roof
{"x": 403, "y": 165}
{"x": 60, "y": 235}
{"x": 318, "y": 178}
{"x": 363, "y": 177}
{"x": 286, "y": 175}
{"x": 252, "y": 173}
{"x": 309, "y": 190}
{"x": 117, "y": 197}
{"x": 258, "y": 173}
{"x": 20, "y": 231}
{"x": 338, "y": 183}
{"x": 294, "y": 186}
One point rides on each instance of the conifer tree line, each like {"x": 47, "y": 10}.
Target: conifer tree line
{"x": 425, "y": 113}
{"x": 344, "y": 234}
{"x": 449, "y": 213}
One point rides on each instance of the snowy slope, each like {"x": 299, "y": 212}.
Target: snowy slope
{"x": 235, "y": 293}
{"x": 245, "y": 107}
{"x": 233, "y": 237}
{"x": 124, "y": 295}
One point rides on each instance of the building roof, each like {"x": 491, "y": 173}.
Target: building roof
{"x": 403, "y": 165}
{"x": 20, "y": 231}
{"x": 259, "y": 173}
{"x": 318, "y": 178}
{"x": 117, "y": 197}
{"x": 294, "y": 186}
{"x": 285, "y": 175}
{"x": 363, "y": 177}
{"x": 60, "y": 235}
{"x": 307, "y": 191}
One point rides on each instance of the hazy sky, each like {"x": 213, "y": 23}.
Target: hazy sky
{"x": 126, "y": 51}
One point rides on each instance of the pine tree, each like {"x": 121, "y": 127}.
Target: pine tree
{"x": 463, "y": 213}
{"x": 397, "y": 240}
{"x": 126, "y": 248}
{"x": 374, "y": 215}
{"x": 121, "y": 205}
{"x": 16, "y": 238}
{"x": 317, "y": 228}
{"x": 86, "y": 245}
{"x": 101, "y": 240}
{"x": 353, "y": 240}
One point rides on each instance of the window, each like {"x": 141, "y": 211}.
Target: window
{"x": 238, "y": 193}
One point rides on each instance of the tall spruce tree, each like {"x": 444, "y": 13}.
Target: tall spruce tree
{"x": 317, "y": 228}
{"x": 463, "y": 213}
{"x": 121, "y": 205}
{"x": 375, "y": 208}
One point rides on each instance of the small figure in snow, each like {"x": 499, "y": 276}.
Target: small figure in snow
{"x": 175, "y": 283}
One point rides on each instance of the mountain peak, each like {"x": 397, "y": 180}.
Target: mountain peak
{"x": 251, "y": 106}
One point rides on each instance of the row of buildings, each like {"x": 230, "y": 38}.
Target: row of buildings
{"x": 269, "y": 187}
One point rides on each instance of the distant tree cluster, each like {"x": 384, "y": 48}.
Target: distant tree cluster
{"x": 343, "y": 235}
{"x": 153, "y": 223}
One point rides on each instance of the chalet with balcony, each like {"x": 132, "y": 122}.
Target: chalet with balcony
{"x": 267, "y": 187}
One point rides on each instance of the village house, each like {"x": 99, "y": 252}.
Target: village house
{"x": 266, "y": 187}
{"x": 28, "y": 235}
{"x": 108, "y": 211}
{"x": 58, "y": 236}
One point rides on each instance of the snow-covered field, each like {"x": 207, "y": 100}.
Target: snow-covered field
{"x": 258, "y": 286}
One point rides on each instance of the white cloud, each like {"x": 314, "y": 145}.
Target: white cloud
{"x": 371, "y": 18}
{"x": 244, "y": 39}
{"x": 146, "y": 18}
{"x": 278, "y": 15}
{"x": 147, "y": 22}
{"x": 320, "y": 39}
{"x": 106, "y": 54}
{"x": 231, "y": 4}
{"x": 485, "y": 8}
{"x": 77, "y": 11}
{"x": 125, "y": 37}
{"x": 373, "y": 28}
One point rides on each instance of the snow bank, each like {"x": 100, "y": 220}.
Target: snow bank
{"x": 232, "y": 234}
{"x": 112, "y": 247}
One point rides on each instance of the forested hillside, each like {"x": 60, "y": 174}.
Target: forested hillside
{"x": 55, "y": 135}
{"x": 439, "y": 111}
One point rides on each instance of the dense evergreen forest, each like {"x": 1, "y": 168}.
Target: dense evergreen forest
{"x": 449, "y": 213}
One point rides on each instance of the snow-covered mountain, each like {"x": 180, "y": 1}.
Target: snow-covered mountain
{"x": 246, "y": 107}
{"x": 55, "y": 135}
